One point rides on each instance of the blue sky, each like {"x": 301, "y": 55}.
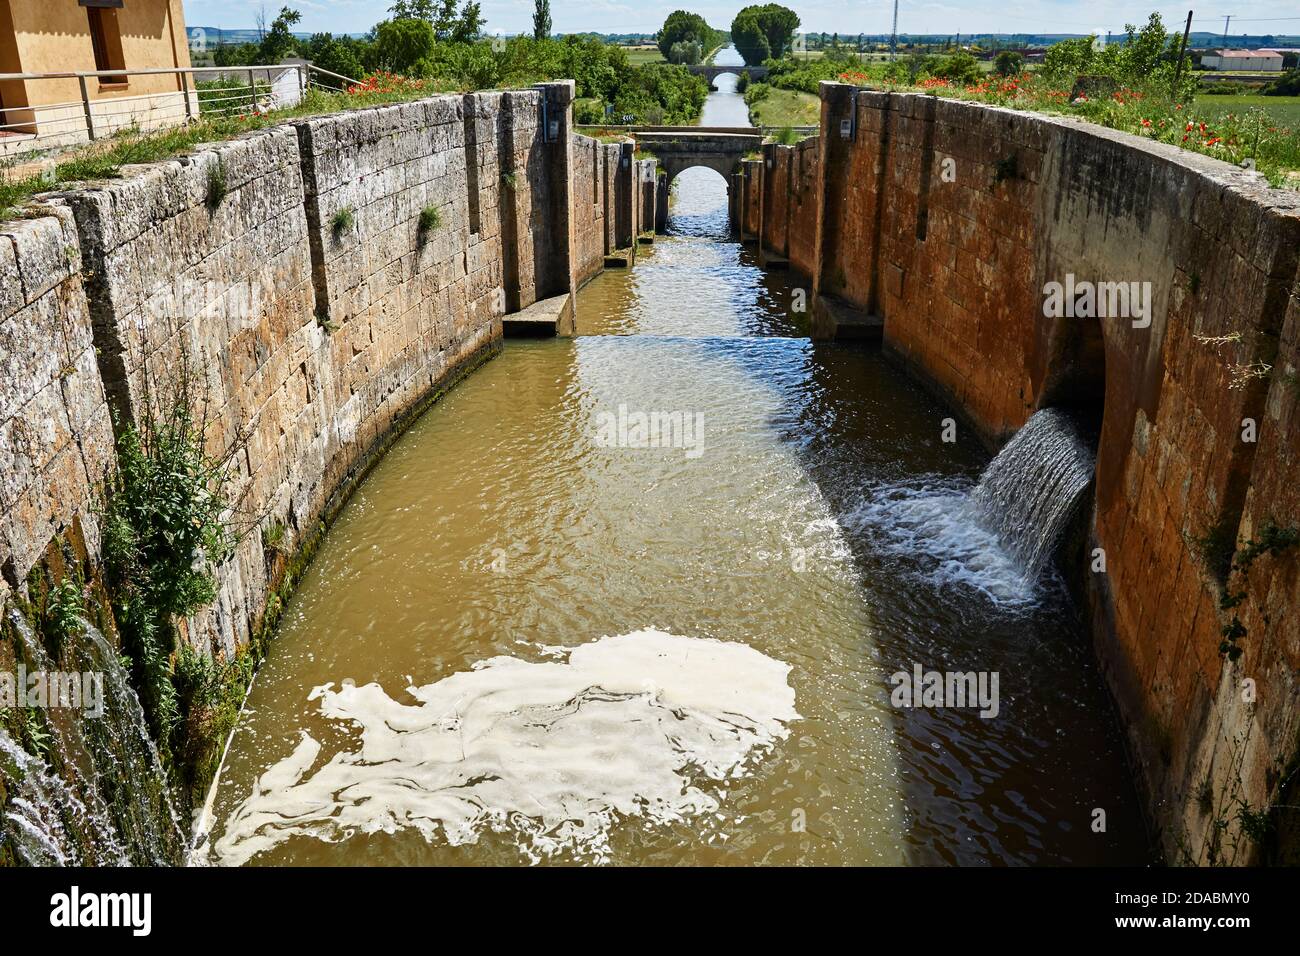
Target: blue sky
{"x": 853, "y": 16}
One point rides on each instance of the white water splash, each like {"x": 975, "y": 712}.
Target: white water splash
{"x": 554, "y": 753}
{"x": 934, "y": 523}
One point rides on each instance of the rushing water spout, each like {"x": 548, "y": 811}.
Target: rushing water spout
{"x": 1029, "y": 492}
{"x": 100, "y": 796}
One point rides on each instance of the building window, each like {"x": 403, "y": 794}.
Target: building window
{"x": 107, "y": 43}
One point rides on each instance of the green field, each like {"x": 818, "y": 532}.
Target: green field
{"x": 641, "y": 55}
{"x": 1284, "y": 109}
{"x": 786, "y": 108}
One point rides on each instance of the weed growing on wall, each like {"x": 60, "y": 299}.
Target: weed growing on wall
{"x": 217, "y": 187}
{"x": 165, "y": 528}
{"x": 342, "y": 221}
{"x": 1272, "y": 540}
{"x": 430, "y": 219}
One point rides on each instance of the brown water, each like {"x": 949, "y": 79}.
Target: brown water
{"x": 812, "y": 520}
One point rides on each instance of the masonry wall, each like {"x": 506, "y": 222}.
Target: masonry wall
{"x": 802, "y": 203}
{"x": 55, "y": 437}
{"x": 947, "y": 220}
{"x": 288, "y": 272}
{"x": 648, "y": 178}
{"x": 775, "y": 200}
{"x": 588, "y": 212}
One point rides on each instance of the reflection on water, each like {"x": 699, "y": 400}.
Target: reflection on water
{"x": 470, "y": 589}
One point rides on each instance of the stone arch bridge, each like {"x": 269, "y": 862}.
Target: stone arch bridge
{"x": 682, "y": 147}
{"x": 711, "y": 72}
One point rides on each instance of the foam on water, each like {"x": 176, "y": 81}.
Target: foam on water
{"x": 997, "y": 536}
{"x": 551, "y": 752}
{"x": 934, "y": 523}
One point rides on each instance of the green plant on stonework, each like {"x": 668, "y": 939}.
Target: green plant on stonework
{"x": 36, "y": 738}
{"x": 510, "y": 180}
{"x": 342, "y": 221}
{"x": 273, "y": 538}
{"x": 64, "y": 609}
{"x": 209, "y": 695}
{"x": 1254, "y": 824}
{"x": 1272, "y": 540}
{"x": 1215, "y": 545}
{"x": 429, "y": 220}
{"x": 785, "y": 136}
{"x": 164, "y": 531}
{"x": 217, "y": 186}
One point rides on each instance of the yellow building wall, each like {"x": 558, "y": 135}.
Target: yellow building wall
{"x": 53, "y": 36}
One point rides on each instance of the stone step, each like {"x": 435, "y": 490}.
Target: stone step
{"x": 542, "y": 319}
{"x": 835, "y": 319}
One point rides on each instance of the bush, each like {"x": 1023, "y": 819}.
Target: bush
{"x": 688, "y": 52}
{"x": 1288, "y": 85}
{"x": 959, "y": 67}
{"x": 1008, "y": 63}
{"x": 163, "y": 533}
{"x": 400, "y": 44}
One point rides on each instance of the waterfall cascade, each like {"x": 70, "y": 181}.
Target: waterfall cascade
{"x": 1030, "y": 491}
{"x": 98, "y": 796}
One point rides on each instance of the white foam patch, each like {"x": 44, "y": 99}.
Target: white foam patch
{"x": 553, "y": 752}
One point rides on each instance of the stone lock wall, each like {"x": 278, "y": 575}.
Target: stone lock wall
{"x": 56, "y": 441}
{"x": 946, "y": 220}
{"x": 288, "y": 271}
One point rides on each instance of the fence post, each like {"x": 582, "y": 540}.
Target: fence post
{"x": 185, "y": 92}
{"x": 252, "y": 90}
{"x": 85, "y": 105}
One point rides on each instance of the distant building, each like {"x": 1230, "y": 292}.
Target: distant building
{"x": 68, "y": 36}
{"x": 1243, "y": 61}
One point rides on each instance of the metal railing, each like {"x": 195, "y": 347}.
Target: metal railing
{"x": 66, "y": 109}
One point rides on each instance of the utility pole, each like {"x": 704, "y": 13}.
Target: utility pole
{"x": 1182, "y": 52}
{"x": 1226, "y": 21}
{"x": 893, "y": 36}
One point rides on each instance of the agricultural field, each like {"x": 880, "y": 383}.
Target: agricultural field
{"x": 1284, "y": 109}
{"x": 642, "y": 55}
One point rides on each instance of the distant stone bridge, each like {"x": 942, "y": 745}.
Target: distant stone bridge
{"x": 711, "y": 72}
{"x": 719, "y": 148}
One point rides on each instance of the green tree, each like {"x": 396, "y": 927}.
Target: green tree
{"x": 687, "y": 52}
{"x": 541, "y": 19}
{"x": 750, "y": 40}
{"x": 341, "y": 55}
{"x": 683, "y": 27}
{"x": 279, "y": 41}
{"x": 777, "y": 25}
{"x": 401, "y": 44}
{"x": 959, "y": 67}
{"x": 469, "y": 25}
{"x": 413, "y": 10}
{"x": 1008, "y": 63}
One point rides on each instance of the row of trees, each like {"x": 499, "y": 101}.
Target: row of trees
{"x": 764, "y": 32}
{"x": 687, "y": 38}
{"x": 435, "y": 39}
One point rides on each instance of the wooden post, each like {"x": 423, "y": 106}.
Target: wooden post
{"x": 1182, "y": 52}
{"x": 185, "y": 92}
{"x": 85, "y": 105}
